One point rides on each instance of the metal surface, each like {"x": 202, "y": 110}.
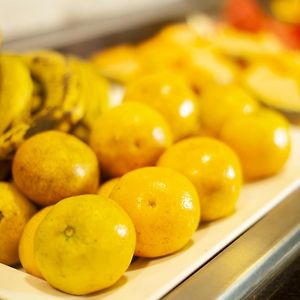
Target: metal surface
{"x": 251, "y": 261}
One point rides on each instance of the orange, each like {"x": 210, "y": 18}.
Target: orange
{"x": 26, "y": 252}
{"x": 261, "y": 140}
{"x": 220, "y": 103}
{"x": 159, "y": 54}
{"x": 106, "y": 188}
{"x": 205, "y": 65}
{"x": 168, "y": 49}
{"x": 213, "y": 168}
{"x": 15, "y": 211}
{"x": 171, "y": 96}
{"x": 84, "y": 244}
{"x": 120, "y": 63}
{"x": 53, "y": 165}
{"x": 163, "y": 206}
{"x": 129, "y": 136}
{"x": 179, "y": 34}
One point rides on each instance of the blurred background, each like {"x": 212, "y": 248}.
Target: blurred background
{"x": 22, "y": 19}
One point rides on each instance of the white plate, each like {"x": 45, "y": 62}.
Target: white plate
{"x": 151, "y": 279}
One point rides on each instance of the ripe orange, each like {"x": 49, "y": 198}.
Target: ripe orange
{"x": 262, "y": 141}
{"x": 84, "y": 244}
{"x": 53, "y": 165}
{"x": 120, "y": 63}
{"x": 129, "y": 136}
{"x": 172, "y": 97}
{"x": 220, "y": 103}
{"x": 26, "y": 252}
{"x": 163, "y": 206}
{"x": 106, "y": 188}
{"x": 213, "y": 168}
{"x": 15, "y": 211}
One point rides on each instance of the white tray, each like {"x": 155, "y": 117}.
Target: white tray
{"x": 151, "y": 279}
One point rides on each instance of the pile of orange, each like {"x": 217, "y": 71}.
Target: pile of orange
{"x": 174, "y": 153}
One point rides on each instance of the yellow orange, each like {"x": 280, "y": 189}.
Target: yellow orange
{"x": 129, "y": 136}
{"x": 172, "y": 97}
{"x": 106, "y": 188}
{"x": 53, "y": 165}
{"x": 220, "y": 103}
{"x": 120, "y": 63}
{"x": 213, "y": 168}
{"x": 26, "y": 252}
{"x": 84, "y": 244}
{"x": 261, "y": 140}
{"x": 164, "y": 207}
{"x": 15, "y": 211}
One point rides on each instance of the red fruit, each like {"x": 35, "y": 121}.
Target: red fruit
{"x": 244, "y": 14}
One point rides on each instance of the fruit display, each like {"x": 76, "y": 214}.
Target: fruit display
{"x": 87, "y": 186}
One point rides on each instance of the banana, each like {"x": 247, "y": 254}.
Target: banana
{"x": 11, "y": 139}
{"x": 55, "y": 99}
{"x": 37, "y": 97}
{"x": 59, "y": 92}
{"x": 16, "y": 90}
{"x": 95, "y": 96}
{"x": 60, "y": 81}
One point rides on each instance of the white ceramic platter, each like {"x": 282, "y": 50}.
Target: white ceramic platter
{"x": 151, "y": 279}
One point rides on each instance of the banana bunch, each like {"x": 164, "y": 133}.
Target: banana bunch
{"x": 44, "y": 90}
{"x": 16, "y": 89}
{"x": 96, "y": 89}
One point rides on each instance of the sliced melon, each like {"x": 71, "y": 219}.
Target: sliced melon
{"x": 272, "y": 87}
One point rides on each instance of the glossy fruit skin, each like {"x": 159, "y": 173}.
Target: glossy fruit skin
{"x": 15, "y": 211}
{"x": 84, "y": 244}
{"x": 261, "y": 140}
{"x": 129, "y": 136}
{"x": 163, "y": 206}
{"x": 26, "y": 245}
{"x": 213, "y": 168}
{"x": 171, "y": 96}
{"x": 120, "y": 63}
{"x": 54, "y": 165}
{"x": 106, "y": 188}
{"x": 220, "y": 103}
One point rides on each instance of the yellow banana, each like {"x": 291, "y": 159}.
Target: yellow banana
{"x": 60, "y": 81}
{"x": 97, "y": 94}
{"x": 65, "y": 93}
{"x": 11, "y": 139}
{"x": 95, "y": 97}
{"x": 16, "y": 89}
{"x": 37, "y": 97}
{"x": 56, "y": 100}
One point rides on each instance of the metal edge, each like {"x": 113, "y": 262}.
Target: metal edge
{"x": 253, "y": 259}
